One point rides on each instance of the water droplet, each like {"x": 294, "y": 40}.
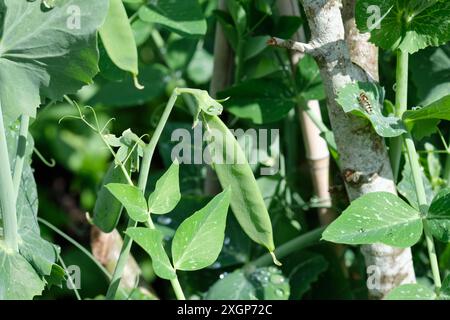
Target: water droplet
{"x": 164, "y": 220}
{"x": 223, "y": 275}
{"x": 279, "y": 292}
{"x": 226, "y": 241}
{"x": 216, "y": 265}
{"x": 276, "y": 279}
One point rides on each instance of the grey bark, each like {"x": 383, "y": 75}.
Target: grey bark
{"x": 363, "y": 153}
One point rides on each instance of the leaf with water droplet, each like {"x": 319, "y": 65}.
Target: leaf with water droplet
{"x": 438, "y": 215}
{"x": 413, "y": 291}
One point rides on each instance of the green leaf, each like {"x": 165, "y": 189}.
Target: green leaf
{"x": 199, "y": 239}
{"x": 18, "y": 279}
{"x": 407, "y": 188}
{"x": 151, "y": 240}
{"x": 445, "y": 289}
{"x": 118, "y": 38}
{"x": 377, "y": 217}
{"x": 261, "y": 284}
{"x": 181, "y": 16}
{"x": 431, "y": 73}
{"x": 247, "y": 202}
{"x": 107, "y": 209}
{"x": 412, "y": 291}
{"x": 200, "y": 68}
{"x": 406, "y": 25}
{"x": 427, "y": 118}
{"x": 433, "y": 164}
{"x": 259, "y": 100}
{"x": 254, "y": 46}
{"x": 132, "y": 199}
{"x": 304, "y": 273}
{"x": 45, "y": 52}
{"x": 309, "y": 81}
{"x": 438, "y": 215}
{"x": 167, "y": 192}
{"x": 348, "y": 98}
{"x": 153, "y": 77}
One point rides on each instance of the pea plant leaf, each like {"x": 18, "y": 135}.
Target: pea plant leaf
{"x": 151, "y": 240}
{"x": 406, "y": 187}
{"x": 107, "y": 209}
{"x": 23, "y": 273}
{"x": 349, "y": 98}
{"x": 233, "y": 170}
{"x": 167, "y": 191}
{"x": 184, "y": 17}
{"x": 267, "y": 283}
{"x": 308, "y": 79}
{"x": 445, "y": 289}
{"x": 132, "y": 198}
{"x": 118, "y": 39}
{"x": 438, "y": 215}
{"x": 259, "y": 100}
{"x": 46, "y": 53}
{"x": 199, "y": 239}
{"x": 377, "y": 217}
{"x": 426, "y": 119}
{"x": 406, "y": 25}
{"x": 413, "y": 291}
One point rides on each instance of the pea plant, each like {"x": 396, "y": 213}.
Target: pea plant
{"x": 228, "y": 149}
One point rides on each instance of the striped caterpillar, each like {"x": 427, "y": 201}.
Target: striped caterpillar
{"x": 364, "y": 102}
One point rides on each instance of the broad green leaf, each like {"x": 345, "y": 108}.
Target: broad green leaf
{"x": 18, "y": 279}
{"x": 254, "y": 46}
{"x": 377, "y": 217}
{"x": 167, "y": 192}
{"x": 153, "y": 77}
{"x": 132, "y": 199}
{"x": 427, "y": 118}
{"x": 412, "y": 291}
{"x": 230, "y": 32}
{"x": 239, "y": 16}
{"x": 261, "y": 284}
{"x": 200, "y": 68}
{"x": 259, "y": 100}
{"x": 407, "y": 188}
{"x": 431, "y": 73}
{"x": 151, "y": 240}
{"x": 445, "y": 289}
{"x": 407, "y": 25}
{"x": 348, "y": 98}
{"x": 438, "y": 215}
{"x": 309, "y": 81}
{"x": 107, "y": 208}
{"x": 234, "y": 171}
{"x": 46, "y": 53}
{"x": 118, "y": 39}
{"x": 199, "y": 239}
{"x": 181, "y": 16}
{"x": 304, "y": 273}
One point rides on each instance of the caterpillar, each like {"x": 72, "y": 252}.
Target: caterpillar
{"x": 364, "y": 102}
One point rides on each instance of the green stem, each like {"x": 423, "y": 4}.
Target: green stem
{"x": 149, "y": 150}
{"x": 7, "y": 195}
{"x": 20, "y": 153}
{"x": 401, "y": 104}
{"x": 177, "y": 289}
{"x": 447, "y": 168}
{"x": 422, "y": 199}
{"x": 301, "y": 242}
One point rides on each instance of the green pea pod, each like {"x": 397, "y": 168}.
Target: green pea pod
{"x": 118, "y": 40}
{"x": 233, "y": 170}
{"x": 107, "y": 208}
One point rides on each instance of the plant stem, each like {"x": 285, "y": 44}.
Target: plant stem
{"x": 296, "y": 244}
{"x": 447, "y": 168}
{"x": 422, "y": 199}
{"x": 20, "y": 153}
{"x": 177, "y": 289}
{"x": 401, "y": 104}
{"x": 142, "y": 183}
{"x": 7, "y": 195}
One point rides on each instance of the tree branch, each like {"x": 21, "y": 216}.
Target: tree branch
{"x": 293, "y": 45}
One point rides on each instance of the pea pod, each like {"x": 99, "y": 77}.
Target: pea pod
{"x": 118, "y": 40}
{"x": 233, "y": 170}
{"x": 107, "y": 208}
